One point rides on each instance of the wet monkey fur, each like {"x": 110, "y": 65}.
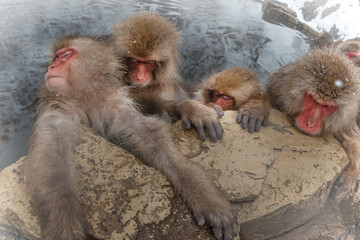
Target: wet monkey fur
{"x": 320, "y": 93}
{"x": 349, "y": 48}
{"x": 82, "y": 86}
{"x": 236, "y": 88}
{"x": 148, "y": 45}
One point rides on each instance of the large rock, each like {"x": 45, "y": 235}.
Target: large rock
{"x": 280, "y": 14}
{"x": 278, "y": 179}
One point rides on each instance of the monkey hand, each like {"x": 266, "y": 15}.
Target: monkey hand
{"x": 223, "y": 221}
{"x": 218, "y": 110}
{"x": 195, "y": 113}
{"x": 251, "y": 117}
{"x": 344, "y": 184}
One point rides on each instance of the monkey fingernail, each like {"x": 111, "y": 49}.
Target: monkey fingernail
{"x": 258, "y": 125}
{"x": 200, "y": 220}
{"x": 187, "y": 124}
{"x": 201, "y": 133}
{"x": 239, "y": 117}
{"x": 217, "y": 232}
{"x": 245, "y": 121}
{"x": 252, "y": 123}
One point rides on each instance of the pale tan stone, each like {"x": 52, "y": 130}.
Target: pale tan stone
{"x": 283, "y": 176}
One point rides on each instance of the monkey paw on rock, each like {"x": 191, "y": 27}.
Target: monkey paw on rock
{"x": 252, "y": 120}
{"x": 344, "y": 184}
{"x": 224, "y": 225}
{"x": 197, "y": 114}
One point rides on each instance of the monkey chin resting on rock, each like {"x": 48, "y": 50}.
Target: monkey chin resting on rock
{"x": 320, "y": 93}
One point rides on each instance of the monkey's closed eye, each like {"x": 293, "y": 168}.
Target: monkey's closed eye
{"x": 65, "y": 54}
{"x": 133, "y": 61}
{"x": 152, "y": 62}
{"x": 226, "y": 97}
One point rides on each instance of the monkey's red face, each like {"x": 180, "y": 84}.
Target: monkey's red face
{"x": 311, "y": 118}
{"x": 224, "y": 101}
{"x": 57, "y": 74}
{"x": 141, "y": 70}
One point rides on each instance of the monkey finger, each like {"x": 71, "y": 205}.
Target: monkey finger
{"x": 200, "y": 130}
{"x": 217, "y": 230}
{"x": 239, "y": 117}
{"x": 187, "y": 123}
{"x": 229, "y": 233}
{"x": 258, "y": 125}
{"x": 219, "y": 129}
{"x": 244, "y": 122}
{"x": 265, "y": 122}
{"x": 252, "y": 123}
{"x": 212, "y": 132}
{"x": 218, "y": 110}
{"x": 199, "y": 219}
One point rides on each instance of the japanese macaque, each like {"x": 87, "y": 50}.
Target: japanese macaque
{"x": 325, "y": 40}
{"x": 236, "y": 89}
{"x": 350, "y": 48}
{"x": 320, "y": 93}
{"x": 148, "y": 45}
{"x": 82, "y": 86}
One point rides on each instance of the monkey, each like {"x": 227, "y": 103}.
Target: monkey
{"x": 82, "y": 86}
{"x": 351, "y": 49}
{"x": 236, "y": 88}
{"x": 148, "y": 45}
{"x": 325, "y": 40}
{"x": 320, "y": 94}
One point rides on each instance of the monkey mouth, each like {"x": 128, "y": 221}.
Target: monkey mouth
{"x": 311, "y": 119}
{"x": 47, "y": 78}
{"x": 140, "y": 83}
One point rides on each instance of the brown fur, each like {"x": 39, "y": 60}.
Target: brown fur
{"x": 243, "y": 85}
{"x": 99, "y": 100}
{"x": 317, "y": 73}
{"x": 151, "y": 36}
{"x": 351, "y": 45}
{"x": 325, "y": 40}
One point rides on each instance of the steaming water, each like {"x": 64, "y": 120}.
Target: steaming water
{"x": 217, "y": 34}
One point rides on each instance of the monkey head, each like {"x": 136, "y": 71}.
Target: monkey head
{"x": 320, "y": 92}
{"x": 230, "y": 88}
{"x": 351, "y": 49}
{"x": 68, "y": 74}
{"x": 148, "y": 44}
{"x": 325, "y": 40}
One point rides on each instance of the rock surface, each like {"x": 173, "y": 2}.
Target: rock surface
{"x": 278, "y": 179}
{"x": 280, "y": 14}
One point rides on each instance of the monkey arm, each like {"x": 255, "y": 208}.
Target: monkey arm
{"x": 195, "y": 113}
{"x": 50, "y": 175}
{"x": 254, "y": 112}
{"x": 149, "y": 139}
{"x": 351, "y": 144}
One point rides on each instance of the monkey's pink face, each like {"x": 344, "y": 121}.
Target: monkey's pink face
{"x": 141, "y": 70}
{"x": 57, "y": 74}
{"x": 224, "y": 101}
{"x": 310, "y": 120}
